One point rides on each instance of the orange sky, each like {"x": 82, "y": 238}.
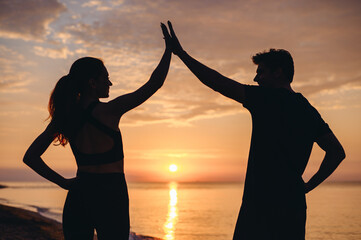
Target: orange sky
{"x": 184, "y": 123}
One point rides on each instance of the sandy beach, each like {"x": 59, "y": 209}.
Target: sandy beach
{"x": 20, "y": 224}
{"x": 16, "y": 223}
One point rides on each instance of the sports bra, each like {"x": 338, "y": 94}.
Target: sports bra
{"x": 113, "y": 155}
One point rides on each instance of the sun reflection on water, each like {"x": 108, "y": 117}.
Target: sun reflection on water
{"x": 169, "y": 225}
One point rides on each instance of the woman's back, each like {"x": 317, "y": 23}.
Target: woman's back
{"x": 97, "y": 142}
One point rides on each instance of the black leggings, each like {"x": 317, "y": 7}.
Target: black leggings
{"x": 98, "y": 201}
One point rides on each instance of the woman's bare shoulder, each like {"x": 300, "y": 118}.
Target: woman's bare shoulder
{"x": 104, "y": 112}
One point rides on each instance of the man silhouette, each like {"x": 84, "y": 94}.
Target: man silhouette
{"x": 284, "y": 128}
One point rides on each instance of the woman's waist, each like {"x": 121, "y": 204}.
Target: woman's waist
{"x": 93, "y": 182}
{"x": 113, "y": 167}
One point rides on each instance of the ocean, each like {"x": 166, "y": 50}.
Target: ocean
{"x": 194, "y": 211}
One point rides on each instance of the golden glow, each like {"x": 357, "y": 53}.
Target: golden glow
{"x": 169, "y": 225}
{"x": 185, "y": 123}
{"x": 173, "y": 168}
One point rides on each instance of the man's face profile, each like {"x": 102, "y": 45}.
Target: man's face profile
{"x": 264, "y": 76}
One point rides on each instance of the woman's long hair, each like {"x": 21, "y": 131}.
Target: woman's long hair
{"x": 63, "y": 105}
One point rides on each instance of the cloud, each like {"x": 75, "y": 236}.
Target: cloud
{"x": 13, "y": 79}
{"x": 14, "y": 85}
{"x": 331, "y": 84}
{"x": 61, "y": 53}
{"x": 28, "y": 20}
{"x": 15, "y": 114}
{"x": 179, "y": 154}
{"x": 98, "y": 4}
{"x": 92, "y": 3}
{"x": 226, "y": 34}
{"x": 63, "y": 37}
{"x": 183, "y": 107}
{"x": 221, "y": 35}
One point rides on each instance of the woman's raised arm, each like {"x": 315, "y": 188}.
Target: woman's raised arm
{"x": 124, "y": 103}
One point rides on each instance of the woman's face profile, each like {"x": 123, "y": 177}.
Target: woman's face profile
{"x": 102, "y": 84}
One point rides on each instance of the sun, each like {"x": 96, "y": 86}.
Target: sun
{"x": 173, "y": 168}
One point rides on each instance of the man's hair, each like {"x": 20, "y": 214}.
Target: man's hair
{"x": 276, "y": 58}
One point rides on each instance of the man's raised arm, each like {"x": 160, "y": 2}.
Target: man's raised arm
{"x": 206, "y": 75}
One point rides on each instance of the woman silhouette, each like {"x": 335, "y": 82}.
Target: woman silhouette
{"x": 98, "y": 196}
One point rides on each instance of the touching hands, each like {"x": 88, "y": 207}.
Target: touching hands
{"x": 167, "y": 38}
{"x": 171, "y": 39}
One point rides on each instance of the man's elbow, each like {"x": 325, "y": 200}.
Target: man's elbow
{"x": 342, "y": 154}
{"x": 27, "y": 159}
{"x": 339, "y": 153}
